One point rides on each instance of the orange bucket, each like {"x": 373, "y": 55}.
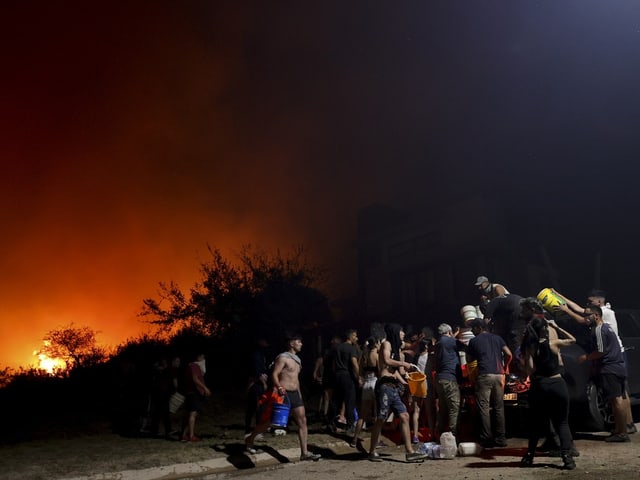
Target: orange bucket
{"x": 417, "y": 384}
{"x": 472, "y": 369}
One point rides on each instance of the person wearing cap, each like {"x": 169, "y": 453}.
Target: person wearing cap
{"x": 489, "y": 290}
{"x": 493, "y": 358}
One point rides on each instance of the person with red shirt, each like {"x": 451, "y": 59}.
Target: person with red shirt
{"x": 196, "y": 392}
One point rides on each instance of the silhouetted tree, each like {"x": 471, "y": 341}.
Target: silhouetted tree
{"x": 261, "y": 295}
{"x": 75, "y": 346}
{"x": 6, "y": 374}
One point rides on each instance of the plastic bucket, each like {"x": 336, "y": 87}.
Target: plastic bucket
{"x": 468, "y": 312}
{"x": 472, "y": 370}
{"x": 466, "y": 449}
{"x": 175, "y": 402}
{"x": 280, "y": 414}
{"x": 417, "y": 384}
{"x": 549, "y": 299}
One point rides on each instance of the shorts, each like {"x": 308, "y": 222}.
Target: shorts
{"x": 612, "y": 385}
{"x": 195, "y": 402}
{"x": 295, "y": 399}
{"x": 389, "y": 400}
{"x": 367, "y": 407}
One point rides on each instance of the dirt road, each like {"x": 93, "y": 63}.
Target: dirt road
{"x": 598, "y": 461}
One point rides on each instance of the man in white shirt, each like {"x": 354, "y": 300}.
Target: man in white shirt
{"x": 598, "y": 298}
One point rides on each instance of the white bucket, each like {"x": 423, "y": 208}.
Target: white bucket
{"x": 469, "y": 449}
{"x": 468, "y": 312}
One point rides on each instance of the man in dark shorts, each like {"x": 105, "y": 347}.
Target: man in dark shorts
{"x": 196, "y": 392}
{"x": 285, "y": 377}
{"x": 611, "y": 371}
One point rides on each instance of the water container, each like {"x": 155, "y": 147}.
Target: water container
{"x": 448, "y": 445}
{"x": 467, "y": 449}
{"x": 472, "y": 371}
{"x": 417, "y": 384}
{"x": 280, "y": 413}
{"x": 468, "y": 313}
{"x": 426, "y": 447}
{"x": 549, "y": 299}
{"x": 175, "y": 402}
{"x": 431, "y": 449}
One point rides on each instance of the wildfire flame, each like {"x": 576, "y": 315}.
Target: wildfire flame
{"x": 49, "y": 365}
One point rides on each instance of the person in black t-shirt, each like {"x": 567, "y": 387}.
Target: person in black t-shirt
{"x": 346, "y": 369}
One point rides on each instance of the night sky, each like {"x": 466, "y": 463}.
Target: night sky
{"x": 136, "y": 133}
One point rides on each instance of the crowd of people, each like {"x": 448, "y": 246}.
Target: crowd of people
{"x": 367, "y": 384}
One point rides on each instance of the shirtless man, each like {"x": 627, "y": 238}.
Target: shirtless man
{"x": 285, "y": 378}
{"x": 391, "y": 366}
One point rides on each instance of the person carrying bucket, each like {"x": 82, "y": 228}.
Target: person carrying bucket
{"x": 392, "y": 369}
{"x": 417, "y": 383}
{"x": 286, "y": 385}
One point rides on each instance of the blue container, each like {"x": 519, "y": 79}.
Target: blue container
{"x": 280, "y": 415}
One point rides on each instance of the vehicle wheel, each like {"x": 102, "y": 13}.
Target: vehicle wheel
{"x": 606, "y": 413}
{"x": 599, "y": 416}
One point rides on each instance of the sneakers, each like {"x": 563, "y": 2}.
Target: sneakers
{"x": 527, "y": 460}
{"x": 415, "y": 457}
{"x": 375, "y": 457}
{"x": 279, "y": 432}
{"x": 313, "y": 457}
{"x": 251, "y": 449}
{"x": 186, "y": 438}
{"x": 414, "y": 439}
{"x": 557, "y": 453}
{"x": 568, "y": 462}
{"x": 618, "y": 438}
{"x": 631, "y": 428}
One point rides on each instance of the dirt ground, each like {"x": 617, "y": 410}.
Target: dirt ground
{"x": 67, "y": 454}
{"x": 221, "y": 429}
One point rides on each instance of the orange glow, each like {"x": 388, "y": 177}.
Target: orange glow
{"x": 121, "y": 162}
{"x": 49, "y": 365}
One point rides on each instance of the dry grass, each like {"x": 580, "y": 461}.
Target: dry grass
{"x": 82, "y": 455}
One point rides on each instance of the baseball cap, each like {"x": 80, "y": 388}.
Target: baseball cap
{"x": 480, "y": 280}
